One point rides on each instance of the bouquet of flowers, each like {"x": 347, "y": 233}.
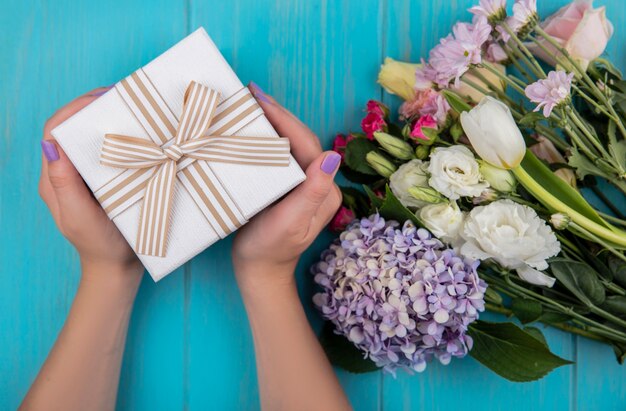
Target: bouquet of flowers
{"x": 472, "y": 200}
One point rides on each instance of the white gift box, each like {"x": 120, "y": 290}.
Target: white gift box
{"x": 251, "y": 188}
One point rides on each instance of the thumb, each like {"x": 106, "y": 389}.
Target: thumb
{"x": 304, "y": 201}
{"x": 72, "y": 195}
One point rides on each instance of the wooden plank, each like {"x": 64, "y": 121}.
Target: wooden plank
{"x": 600, "y": 379}
{"x": 53, "y": 51}
{"x": 319, "y": 59}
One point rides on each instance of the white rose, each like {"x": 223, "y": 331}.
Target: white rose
{"x": 411, "y": 174}
{"x": 514, "y": 236}
{"x": 455, "y": 173}
{"x": 444, "y": 220}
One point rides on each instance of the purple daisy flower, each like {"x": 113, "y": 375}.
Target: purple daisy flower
{"x": 551, "y": 91}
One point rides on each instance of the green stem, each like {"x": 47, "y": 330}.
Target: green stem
{"x": 561, "y": 326}
{"x": 504, "y": 77}
{"x": 598, "y": 240}
{"x": 515, "y": 62}
{"x": 533, "y": 61}
{"x": 593, "y": 102}
{"x": 616, "y": 237}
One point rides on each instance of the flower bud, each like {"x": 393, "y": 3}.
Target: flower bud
{"x": 398, "y": 78}
{"x": 487, "y": 196}
{"x": 398, "y": 148}
{"x": 491, "y": 129}
{"x": 426, "y": 194}
{"x": 498, "y": 178}
{"x": 422, "y": 152}
{"x": 560, "y": 221}
{"x": 380, "y": 163}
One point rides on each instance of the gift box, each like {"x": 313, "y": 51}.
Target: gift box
{"x": 179, "y": 154}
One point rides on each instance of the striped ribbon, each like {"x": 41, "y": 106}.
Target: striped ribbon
{"x": 182, "y": 148}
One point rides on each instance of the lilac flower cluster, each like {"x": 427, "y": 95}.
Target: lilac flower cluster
{"x": 398, "y": 294}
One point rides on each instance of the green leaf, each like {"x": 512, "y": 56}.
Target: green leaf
{"x": 618, "y": 149}
{"x": 359, "y": 178}
{"x": 553, "y": 317}
{"x": 526, "y": 310}
{"x": 355, "y": 200}
{"x": 618, "y": 268}
{"x": 620, "y": 351}
{"x": 511, "y": 352}
{"x": 580, "y": 279}
{"x": 456, "y": 131}
{"x": 456, "y": 102}
{"x": 615, "y": 304}
{"x": 583, "y": 165}
{"x": 392, "y": 209}
{"x": 356, "y": 150}
{"x": 342, "y": 353}
{"x": 531, "y": 118}
{"x": 536, "y": 332}
{"x": 376, "y": 201}
{"x": 559, "y": 188}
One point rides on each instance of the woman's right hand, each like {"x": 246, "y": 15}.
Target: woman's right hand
{"x": 79, "y": 217}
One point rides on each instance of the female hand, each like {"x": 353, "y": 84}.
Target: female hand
{"x": 76, "y": 212}
{"x": 273, "y": 241}
{"x": 293, "y": 371}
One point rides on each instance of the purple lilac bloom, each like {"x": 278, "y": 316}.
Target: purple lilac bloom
{"x": 454, "y": 54}
{"x": 551, "y": 91}
{"x": 399, "y": 294}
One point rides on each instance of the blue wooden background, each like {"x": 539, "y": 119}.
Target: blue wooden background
{"x": 189, "y": 346}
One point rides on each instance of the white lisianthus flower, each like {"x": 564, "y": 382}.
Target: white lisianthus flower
{"x": 514, "y": 236}
{"x": 455, "y": 173}
{"x": 410, "y": 174}
{"x": 444, "y": 220}
{"x": 491, "y": 129}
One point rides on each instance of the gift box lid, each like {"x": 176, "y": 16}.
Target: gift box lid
{"x": 252, "y": 188}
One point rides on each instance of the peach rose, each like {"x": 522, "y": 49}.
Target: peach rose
{"x": 582, "y": 30}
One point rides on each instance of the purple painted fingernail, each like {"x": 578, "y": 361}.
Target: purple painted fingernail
{"x": 49, "y": 150}
{"x": 259, "y": 93}
{"x": 101, "y": 92}
{"x": 330, "y": 162}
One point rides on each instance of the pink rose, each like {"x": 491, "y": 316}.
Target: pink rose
{"x": 377, "y": 107}
{"x": 340, "y": 143}
{"x": 437, "y": 106}
{"x": 372, "y": 123}
{"x": 583, "y": 31}
{"x": 339, "y": 222}
{"x": 426, "y": 121}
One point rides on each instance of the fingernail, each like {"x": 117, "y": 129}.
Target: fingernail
{"x": 330, "y": 162}
{"x": 101, "y": 92}
{"x": 49, "y": 150}
{"x": 259, "y": 93}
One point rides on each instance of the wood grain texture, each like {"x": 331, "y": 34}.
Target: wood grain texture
{"x": 189, "y": 345}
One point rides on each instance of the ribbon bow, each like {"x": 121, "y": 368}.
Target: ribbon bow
{"x": 192, "y": 142}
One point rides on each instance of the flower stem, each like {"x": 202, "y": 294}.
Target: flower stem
{"x": 595, "y": 238}
{"x": 533, "y": 61}
{"x": 561, "y": 326}
{"x": 504, "y": 77}
{"x": 617, "y": 237}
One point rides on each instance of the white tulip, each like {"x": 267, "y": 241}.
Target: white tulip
{"x": 410, "y": 174}
{"x": 491, "y": 129}
{"x": 455, "y": 173}
{"x": 444, "y": 220}
{"x": 514, "y": 236}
